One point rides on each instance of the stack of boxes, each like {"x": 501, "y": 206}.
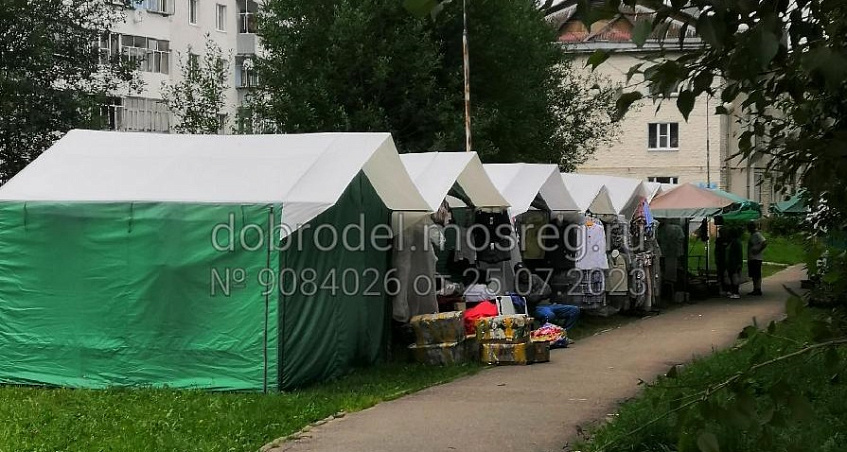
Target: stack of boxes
{"x": 506, "y": 340}
{"x": 440, "y": 339}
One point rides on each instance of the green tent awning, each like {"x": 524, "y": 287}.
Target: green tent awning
{"x": 796, "y": 205}
{"x": 742, "y": 209}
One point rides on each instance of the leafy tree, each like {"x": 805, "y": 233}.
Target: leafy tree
{"x": 52, "y": 75}
{"x": 197, "y": 100}
{"x": 780, "y": 68}
{"x": 367, "y": 65}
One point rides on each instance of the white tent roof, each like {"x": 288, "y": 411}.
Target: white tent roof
{"x": 435, "y": 173}
{"x": 625, "y": 193}
{"x": 307, "y": 172}
{"x": 520, "y": 183}
{"x": 590, "y": 193}
{"x": 653, "y": 189}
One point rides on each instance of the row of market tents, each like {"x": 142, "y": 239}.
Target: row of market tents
{"x": 183, "y": 261}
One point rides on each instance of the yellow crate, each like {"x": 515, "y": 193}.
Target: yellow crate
{"x": 432, "y": 329}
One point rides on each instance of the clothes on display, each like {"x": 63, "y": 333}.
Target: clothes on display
{"x": 591, "y": 252}
{"x": 561, "y": 247}
{"x": 618, "y": 281}
{"x": 530, "y": 226}
{"x": 414, "y": 257}
{"x": 645, "y": 280}
{"x": 491, "y": 236}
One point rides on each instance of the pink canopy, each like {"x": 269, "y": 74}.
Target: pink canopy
{"x": 688, "y": 201}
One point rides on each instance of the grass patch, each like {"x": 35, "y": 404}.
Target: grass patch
{"x": 42, "y": 419}
{"x": 766, "y": 424}
{"x": 784, "y": 250}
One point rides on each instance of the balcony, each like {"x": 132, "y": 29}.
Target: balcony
{"x": 247, "y": 22}
{"x": 246, "y": 44}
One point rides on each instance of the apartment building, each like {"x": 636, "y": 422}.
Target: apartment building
{"x": 158, "y": 33}
{"x": 658, "y": 144}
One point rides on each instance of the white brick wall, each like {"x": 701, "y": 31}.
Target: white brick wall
{"x": 630, "y": 157}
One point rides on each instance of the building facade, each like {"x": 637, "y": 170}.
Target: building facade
{"x": 159, "y": 33}
{"x": 656, "y": 143}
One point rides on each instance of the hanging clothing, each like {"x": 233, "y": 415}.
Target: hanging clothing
{"x": 490, "y": 236}
{"x": 618, "y": 281}
{"x": 590, "y": 291}
{"x": 561, "y": 247}
{"x": 414, "y": 257}
{"x": 530, "y": 225}
{"x": 592, "y": 246}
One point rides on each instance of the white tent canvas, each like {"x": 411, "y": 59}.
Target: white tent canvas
{"x": 653, "y": 189}
{"x": 307, "y": 173}
{"x": 435, "y": 173}
{"x": 624, "y": 192}
{"x": 590, "y": 193}
{"x": 520, "y": 183}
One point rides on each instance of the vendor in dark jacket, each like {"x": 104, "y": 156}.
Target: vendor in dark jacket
{"x": 537, "y": 294}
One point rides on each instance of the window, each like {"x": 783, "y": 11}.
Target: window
{"x": 247, "y": 15}
{"x": 663, "y": 136}
{"x": 192, "y": 12}
{"x": 156, "y": 6}
{"x": 246, "y": 75}
{"x": 136, "y": 114}
{"x": 220, "y": 18}
{"x": 664, "y": 179}
{"x": 151, "y": 55}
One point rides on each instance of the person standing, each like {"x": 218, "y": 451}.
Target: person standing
{"x": 755, "y": 255}
{"x": 734, "y": 261}
{"x": 721, "y": 245}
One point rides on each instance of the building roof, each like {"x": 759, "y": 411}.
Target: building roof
{"x": 307, "y": 173}
{"x": 616, "y": 33}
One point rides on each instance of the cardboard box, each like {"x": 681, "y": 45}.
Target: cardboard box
{"x": 432, "y": 329}
{"x": 500, "y": 354}
{"x": 447, "y": 353}
{"x": 507, "y": 329}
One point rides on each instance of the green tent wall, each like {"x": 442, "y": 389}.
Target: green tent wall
{"x": 119, "y": 294}
{"x": 338, "y": 321}
{"x": 94, "y": 295}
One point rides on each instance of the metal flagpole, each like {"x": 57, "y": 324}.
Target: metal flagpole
{"x": 467, "y": 76}
{"x": 709, "y": 185}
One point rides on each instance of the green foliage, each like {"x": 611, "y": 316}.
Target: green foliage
{"x": 783, "y": 225}
{"x": 197, "y": 100}
{"x": 384, "y": 69}
{"x": 778, "y": 390}
{"x": 782, "y": 72}
{"x": 51, "y": 76}
{"x": 167, "y": 420}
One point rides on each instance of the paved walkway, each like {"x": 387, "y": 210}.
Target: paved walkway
{"x": 541, "y": 407}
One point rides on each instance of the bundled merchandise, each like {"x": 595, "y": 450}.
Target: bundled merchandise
{"x": 440, "y": 339}
{"x": 553, "y": 335}
{"x": 499, "y": 353}
{"x": 506, "y": 340}
{"x": 438, "y": 328}
{"x": 505, "y": 329}
{"x": 446, "y": 353}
